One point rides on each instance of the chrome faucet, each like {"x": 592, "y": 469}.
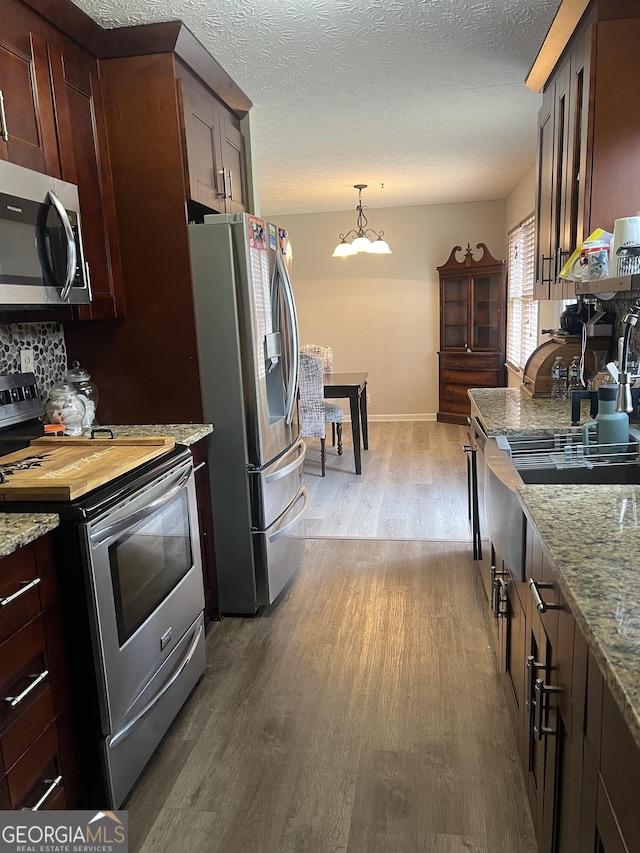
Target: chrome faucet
{"x": 623, "y": 394}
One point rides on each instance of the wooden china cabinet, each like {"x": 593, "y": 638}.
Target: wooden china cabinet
{"x": 472, "y": 330}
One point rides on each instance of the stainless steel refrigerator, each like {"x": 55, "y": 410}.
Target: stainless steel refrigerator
{"x": 248, "y": 349}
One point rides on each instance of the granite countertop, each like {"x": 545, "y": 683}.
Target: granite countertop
{"x": 511, "y": 411}
{"x": 596, "y": 551}
{"x": 19, "y": 528}
{"x": 182, "y": 433}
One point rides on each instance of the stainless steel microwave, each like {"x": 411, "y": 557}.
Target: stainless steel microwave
{"x": 42, "y": 262}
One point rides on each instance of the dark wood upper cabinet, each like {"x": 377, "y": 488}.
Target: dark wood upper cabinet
{"x": 84, "y": 137}
{"x": 587, "y": 173}
{"x": 53, "y": 122}
{"x": 27, "y": 121}
{"x": 214, "y": 148}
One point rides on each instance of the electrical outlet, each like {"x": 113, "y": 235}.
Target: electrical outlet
{"x": 26, "y": 361}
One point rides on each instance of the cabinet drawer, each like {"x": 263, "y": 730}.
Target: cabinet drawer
{"x": 461, "y": 407}
{"x": 539, "y": 570}
{"x": 18, "y": 652}
{"x": 469, "y": 361}
{"x": 33, "y": 720}
{"x": 34, "y": 767}
{"x": 20, "y": 600}
{"x": 454, "y": 392}
{"x": 472, "y": 378}
{"x": 48, "y": 792}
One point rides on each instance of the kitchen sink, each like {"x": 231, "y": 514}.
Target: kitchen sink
{"x": 511, "y": 461}
{"x": 563, "y": 459}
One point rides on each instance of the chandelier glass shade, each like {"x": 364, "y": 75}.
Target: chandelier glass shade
{"x": 362, "y": 235}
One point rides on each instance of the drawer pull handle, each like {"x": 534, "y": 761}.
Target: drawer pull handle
{"x": 541, "y": 605}
{"x": 53, "y": 784}
{"x": 199, "y": 466}
{"x": 4, "y": 133}
{"x": 540, "y": 690}
{"x": 10, "y": 598}
{"x": 38, "y": 679}
{"x": 532, "y": 667}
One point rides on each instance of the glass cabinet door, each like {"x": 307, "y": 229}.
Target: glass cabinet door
{"x": 455, "y": 313}
{"x": 485, "y": 312}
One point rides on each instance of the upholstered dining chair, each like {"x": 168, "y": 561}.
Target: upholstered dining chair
{"x": 326, "y": 354}
{"x": 315, "y": 412}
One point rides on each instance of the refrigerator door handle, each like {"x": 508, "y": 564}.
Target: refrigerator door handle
{"x": 281, "y": 531}
{"x": 287, "y": 469}
{"x": 292, "y": 385}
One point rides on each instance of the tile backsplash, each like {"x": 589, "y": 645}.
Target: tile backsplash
{"x": 49, "y": 351}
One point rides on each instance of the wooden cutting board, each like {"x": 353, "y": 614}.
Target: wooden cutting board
{"x": 71, "y": 467}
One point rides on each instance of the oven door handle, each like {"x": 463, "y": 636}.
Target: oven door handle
{"x": 125, "y": 523}
{"x": 126, "y": 730}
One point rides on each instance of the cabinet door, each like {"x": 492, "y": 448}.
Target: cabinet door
{"x": 544, "y": 195}
{"x": 454, "y": 313}
{"x": 560, "y": 194}
{"x": 599, "y": 831}
{"x": 556, "y": 198}
{"x": 202, "y": 142}
{"x": 233, "y": 162}
{"x": 572, "y": 190}
{"x": 215, "y": 156}
{"x": 486, "y": 313}
{"x": 615, "y": 178}
{"x": 85, "y": 159}
{"x": 27, "y": 132}
{"x": 544, "y": 731}
{"x": 515, "y": 669}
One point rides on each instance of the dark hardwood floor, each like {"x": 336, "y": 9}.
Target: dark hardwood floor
{"x": 360, "y": 713}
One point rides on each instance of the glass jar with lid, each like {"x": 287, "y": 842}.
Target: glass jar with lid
{"x": 66, "y": 408}
{"x": 80, "y": 381}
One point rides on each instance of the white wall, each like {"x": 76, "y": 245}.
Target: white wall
{"x": 521, "y": 201}
{"x": 381, "y": 313}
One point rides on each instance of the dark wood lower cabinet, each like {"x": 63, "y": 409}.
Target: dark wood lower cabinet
{"x": 38, "y": 766}
{"x": 599, "y": 832}
{"x": 515, "y": 637}
{"x": 610, "y": 820}
{"x": 580, "y": 762}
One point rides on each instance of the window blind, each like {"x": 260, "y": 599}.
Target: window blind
{"x": 522, "y": 309}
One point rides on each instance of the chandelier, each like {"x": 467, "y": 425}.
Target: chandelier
{"x": 361, "y": 241}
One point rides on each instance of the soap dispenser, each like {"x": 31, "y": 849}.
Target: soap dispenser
{"x": 612, "y": 427}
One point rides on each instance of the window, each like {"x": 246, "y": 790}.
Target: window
{"x": 522, "y": 309}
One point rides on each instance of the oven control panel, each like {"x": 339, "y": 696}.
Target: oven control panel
{"x": 19, "y": 399}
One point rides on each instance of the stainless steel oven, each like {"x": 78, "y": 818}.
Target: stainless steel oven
{"x": 145, "y": 591}
{"x": 130, "y": 577}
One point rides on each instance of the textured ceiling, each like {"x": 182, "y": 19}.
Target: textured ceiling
{"x": 425, "y": 97}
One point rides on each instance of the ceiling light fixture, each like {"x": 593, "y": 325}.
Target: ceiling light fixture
{"x": 361, "y": 241}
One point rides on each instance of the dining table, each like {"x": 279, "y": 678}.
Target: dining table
{"x": 354, "y": 387}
